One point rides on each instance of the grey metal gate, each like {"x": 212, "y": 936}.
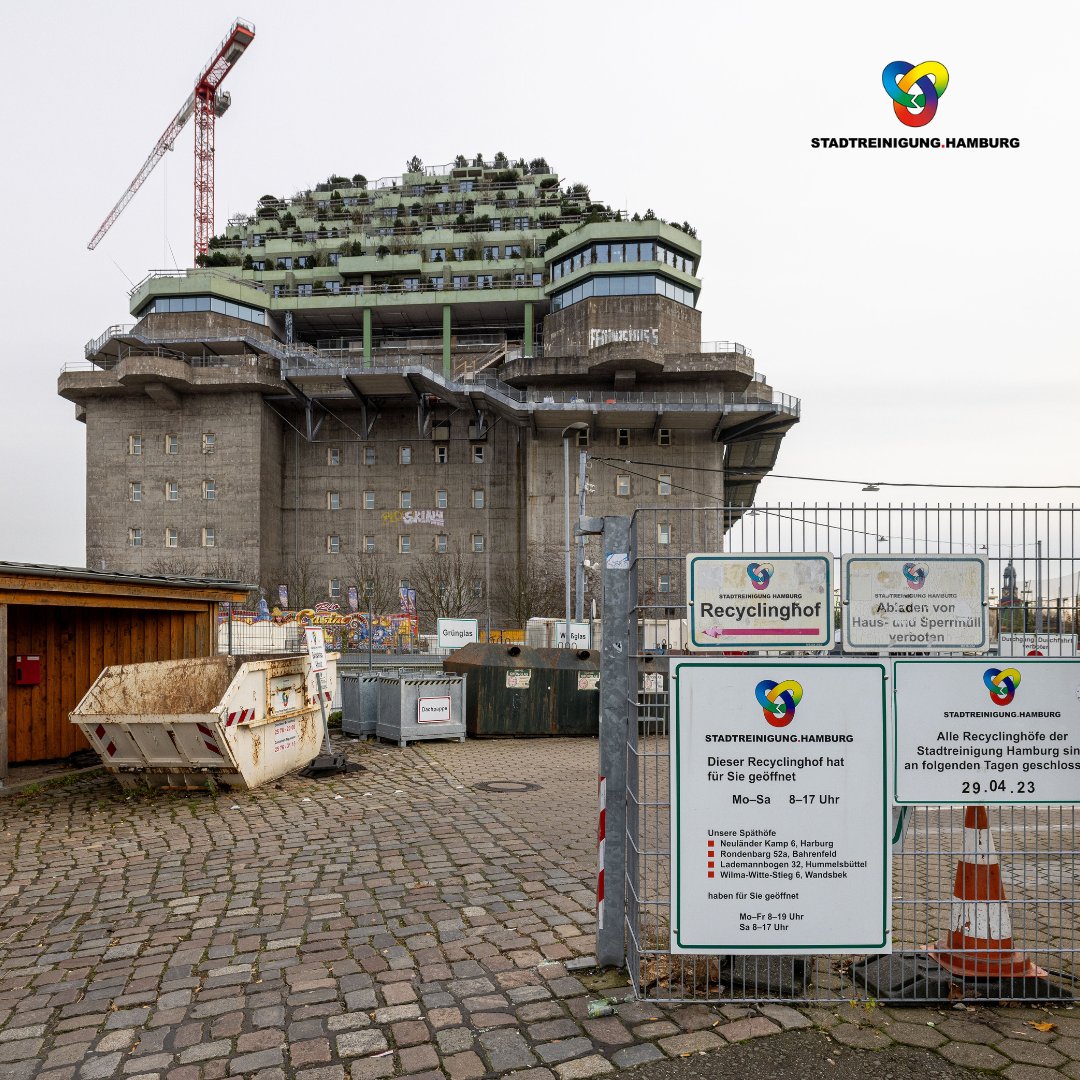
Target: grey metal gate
{"x": 1034, "y": 561}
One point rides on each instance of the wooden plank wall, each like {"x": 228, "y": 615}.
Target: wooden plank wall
{"x": 75, "y": 644}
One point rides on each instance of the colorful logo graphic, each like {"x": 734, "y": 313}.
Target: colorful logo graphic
{"x": 760, "y": 574}
{"x": 915, "y": 574}
{"x": 900, "y": 77}
{"x": 778, "y": 700}
{"x": 1002, "y": 684}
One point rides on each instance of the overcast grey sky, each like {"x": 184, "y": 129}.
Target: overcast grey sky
{"x": 920, "y": 303}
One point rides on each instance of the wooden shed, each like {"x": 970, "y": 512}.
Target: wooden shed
{"x": 60, "y": 626}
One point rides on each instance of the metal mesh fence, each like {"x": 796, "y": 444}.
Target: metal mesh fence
{"x": 1035, "y": 582}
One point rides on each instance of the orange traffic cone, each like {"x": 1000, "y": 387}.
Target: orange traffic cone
{"x": 980, "y": 935}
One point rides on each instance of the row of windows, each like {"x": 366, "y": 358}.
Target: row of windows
{"x": 164, "y": 305}
{"x": 136, "y": 490}
{"x": 491, "y": 253}
{"x": 623, "y": 285}
{"x": 622, "y": 437}
{"x": 477, "y": 500}
{"x": 440, "y": 543}
{"x": 171, "y": 443}
{"x": 368, "y": 587}
{"x": 624, "y": 486}
{"x": 405, "y": 455}
{"x": 630, "y": 252}
{"x": 207, "y": 537}
{"x": 517, "y": 280}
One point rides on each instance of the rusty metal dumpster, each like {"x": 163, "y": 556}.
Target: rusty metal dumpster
{"x": 212, "y": 721}
{"x": 519, "y": 690}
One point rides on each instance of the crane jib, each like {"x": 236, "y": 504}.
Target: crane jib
{"x": 240, "y": 36}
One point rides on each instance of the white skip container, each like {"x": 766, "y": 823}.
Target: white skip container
{"x": 206, "y": 722}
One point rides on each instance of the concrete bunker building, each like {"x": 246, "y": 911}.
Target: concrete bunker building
{"x": 386, "y": 369}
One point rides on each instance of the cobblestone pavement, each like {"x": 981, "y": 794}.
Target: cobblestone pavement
{"x": 395, "y": 921}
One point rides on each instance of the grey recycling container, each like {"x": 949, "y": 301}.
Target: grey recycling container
{"x": 359, "y": 703}
{"x": 415, "y": 705}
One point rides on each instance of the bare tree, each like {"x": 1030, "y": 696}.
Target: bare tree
{"x": 533, "y": 590}
{"x": 447, "y": 586}
{"x": 376, "y": 580}
{"x": 175, "y": 566}
{"x": 301, "y": 577}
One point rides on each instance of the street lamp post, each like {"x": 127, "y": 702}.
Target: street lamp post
{"x": 1038, "y": 590}
{"x": 579, "y": 562}
{"x": 367, "y": 596}
{"x": 578, "y": 425}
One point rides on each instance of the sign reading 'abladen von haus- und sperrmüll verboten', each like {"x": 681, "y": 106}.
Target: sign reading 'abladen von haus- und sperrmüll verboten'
{"x": 915, "y": 603}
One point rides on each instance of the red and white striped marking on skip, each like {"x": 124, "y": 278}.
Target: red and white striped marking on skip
{"x": 602, "y": 830}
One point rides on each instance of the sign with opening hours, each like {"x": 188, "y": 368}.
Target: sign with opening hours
{"x": 780, "y": 818}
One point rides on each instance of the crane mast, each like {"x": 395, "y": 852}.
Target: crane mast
{"x": 206, "y": 102}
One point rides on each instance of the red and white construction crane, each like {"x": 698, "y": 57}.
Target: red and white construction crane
{"x": 207, "y": 102}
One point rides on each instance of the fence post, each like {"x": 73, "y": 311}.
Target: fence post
{"x": 614, "y": 709}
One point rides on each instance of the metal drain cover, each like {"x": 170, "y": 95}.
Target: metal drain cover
{"x": 506, "y": 787}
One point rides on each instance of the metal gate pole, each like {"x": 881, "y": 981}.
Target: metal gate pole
{"x": 614, "y": 697}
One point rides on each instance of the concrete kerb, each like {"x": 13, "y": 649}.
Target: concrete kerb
{"x": 54, "y": 780}
{"x": 393, "y": 921}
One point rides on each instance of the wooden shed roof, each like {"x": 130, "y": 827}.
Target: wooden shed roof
{"x": 29, "y": 583}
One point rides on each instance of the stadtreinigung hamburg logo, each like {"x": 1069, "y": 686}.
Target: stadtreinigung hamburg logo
{"x": 915, "y": 574}
{"x": 778, "y": 700}
{"x": 1002, "y": 684}
{"x": 915, "y": 89}
{"x": 760, "y": 574}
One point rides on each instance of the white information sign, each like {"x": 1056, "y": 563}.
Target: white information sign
{"x": 433, "y": 710}
{"x": 779, "y": 810}
{"x": 914, "y": 603}
{"x": 759, "y": 601}
{"x": 453, "y": 633}
{"x": 580, "y": 635}
{"x": 316, "y": 647}
{"x": 1036, "y": 644}
{"x": 994, "y": 730}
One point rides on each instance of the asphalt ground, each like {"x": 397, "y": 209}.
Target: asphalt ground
{"x": 429, "y": 915}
